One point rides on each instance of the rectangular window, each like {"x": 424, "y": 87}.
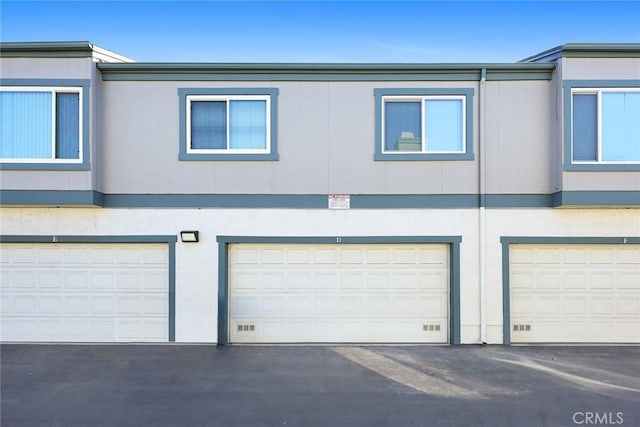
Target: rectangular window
{"x": 228, "y": 124}
{"x": 605, "y": 126}
{"x": 433, "y": 124}
{"x": 41, "y": 124}
{"x": 424, "y": 124}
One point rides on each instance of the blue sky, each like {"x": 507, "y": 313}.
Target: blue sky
{"x": 322, "y": 31}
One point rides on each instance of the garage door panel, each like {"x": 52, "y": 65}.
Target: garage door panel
{"x": 378, "y": 305}
{"x": 548, "y": 256}
{"x": 299, "y": 305}
{"x": 378, "y": 281}
{"x": 628, "y": 330}
{"x": 272, "y": 256}
{"x": 79, "y": 305}
{"x": 628, "y": 256}
{"x": 599, "y": 302}
{"x": 576, "y": 256}
{"x": 378, "y": 256}
{"x": 575, "y": 305}
{"x": 548, "y": 280}
{"x": 428, "y": 305}
{"x": 603, "y": 280}
{"x": 521, "y": 305}
{"x": 628, "y": 279}
{"x": 432, "y": 280}
{"x": 601, "y": 256}
{"x": 351, "y": 256}
{"x": 629, "y": 304}
{"x": 352, "y": 281}
{"x": 602, "y": 305}
{"x": 296, "y": 281}
{"x": 76, "y": 280}
{"x": 523, "y": 279}
{"x": 79, "y": 292}
{"x": 575, "y": 280}
{"x": 326, "y": 281}
{"x": 338, "y": 293}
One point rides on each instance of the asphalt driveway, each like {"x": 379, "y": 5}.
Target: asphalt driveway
{"x": 196, "y": 385}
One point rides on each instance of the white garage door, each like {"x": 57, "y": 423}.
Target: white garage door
{"x": 84, "y": 292}
{"x": 575, "y": 293}
{"x": 283, "y": 293}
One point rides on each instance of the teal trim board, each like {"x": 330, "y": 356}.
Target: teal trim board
{"x": 84, "y": 164}
{"x": 51, "y": 197}
{"x": 170, "y": 240}
{"x": 596, "y": 198}
{"x": 507, "y": 241}
{"x": 183, "y": 93}
{"x": 223, "y": 269}
{"x": 318, "y": 201}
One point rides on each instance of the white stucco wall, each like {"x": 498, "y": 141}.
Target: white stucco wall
{"x": 197, "y": 263}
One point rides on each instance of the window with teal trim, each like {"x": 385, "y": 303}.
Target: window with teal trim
{"x": 424, "y": 124}
{"x": 39, "y": 124}
{"x": 605, "y": 125}
{"x": 601, "y": 126}
{"x": 228, "y": 124}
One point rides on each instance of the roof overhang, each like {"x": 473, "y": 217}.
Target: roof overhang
{"x": 586, "y": 50}
{"x": 55, "y": 49}
{"x": 323, "y": 71}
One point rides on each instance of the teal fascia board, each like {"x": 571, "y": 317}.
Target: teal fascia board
{"x": 51, "y": 197}
{"x": 215, "y": 201}
{"x": 596, "y": 198}
{"x": 223, "y": 266}
{"x": 170, "y": 240}
{"x": 318, "y": 201}
{"x": 85, "y": 84}
{"x": 414, "y": 201}
{"x": 516, "y": 200}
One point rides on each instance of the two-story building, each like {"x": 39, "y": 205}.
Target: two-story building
{"x": 320, "y": 203}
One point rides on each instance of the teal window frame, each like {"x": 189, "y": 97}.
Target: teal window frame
{"x": 187, "y": 154}
{"x": 420, "y": 94}
{"x": 80, "y": 86}
{"x": 571, "y": 87}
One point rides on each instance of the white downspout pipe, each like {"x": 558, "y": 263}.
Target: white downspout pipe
{"x": 481, "y": 214}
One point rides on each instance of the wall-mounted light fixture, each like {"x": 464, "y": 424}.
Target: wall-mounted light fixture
{"x": 189, "y": 236}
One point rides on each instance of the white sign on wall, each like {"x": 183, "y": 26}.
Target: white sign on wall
{"x": 339, "y": 201}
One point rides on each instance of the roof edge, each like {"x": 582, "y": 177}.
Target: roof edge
{"x": 323, "y": 71}
{"x": 59, "y": 49}
{"x": 586, "y": 50}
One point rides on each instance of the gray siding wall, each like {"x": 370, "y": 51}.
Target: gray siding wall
{"x": 325, "y": 143}
{"x": 518, "y": 132}
{"x": 599, "y": 69}
{"x": 50, "y": 68}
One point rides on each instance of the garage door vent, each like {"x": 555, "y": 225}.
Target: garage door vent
{"x": 431, "y": 328}
{"x": 246, "y": 328}
{"x": 522, "y": 328}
